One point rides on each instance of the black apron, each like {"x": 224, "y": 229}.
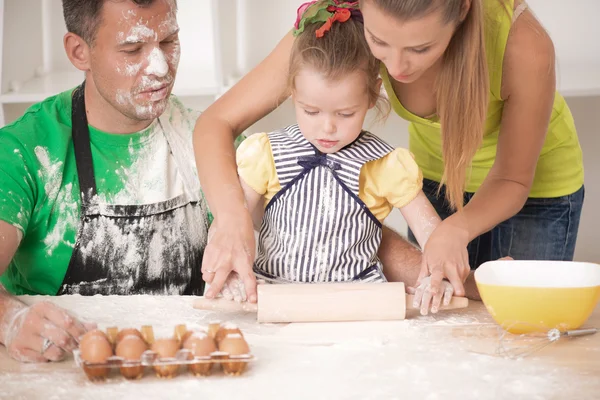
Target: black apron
{"x": 133, "y": 249}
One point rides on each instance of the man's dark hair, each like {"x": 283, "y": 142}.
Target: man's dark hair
{"x": 82, "y": 17}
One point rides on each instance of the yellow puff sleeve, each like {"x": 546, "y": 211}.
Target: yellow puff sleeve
{"x": 256, "y": 166}
{"x": 391, "y": 181}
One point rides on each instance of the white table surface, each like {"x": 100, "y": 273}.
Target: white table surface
{"x": 447, "y": 356}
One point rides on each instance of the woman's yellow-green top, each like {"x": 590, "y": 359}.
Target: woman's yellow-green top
{"x": 559, "y": 169}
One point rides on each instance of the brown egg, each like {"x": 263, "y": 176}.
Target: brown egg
{"x": 227, "y": 329}
{"x": 193, "y": 332}
{"x": 166, "y": 349}
{"x": 127, "y": 332}
{"x": 213, "y": 328}
{"x": 200, "y": 345}
{"x": 95, "y": 332}
{"x": 95, "y": 349}
{"x": 131, "y": 348}
{"x": 234, "y": 345}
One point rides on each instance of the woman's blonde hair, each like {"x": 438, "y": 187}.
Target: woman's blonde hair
{"x": 462, "y": 87}
{"x": 341, "y": 51}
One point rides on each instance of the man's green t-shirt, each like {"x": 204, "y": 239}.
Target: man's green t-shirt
{"x": 39, "y": 188}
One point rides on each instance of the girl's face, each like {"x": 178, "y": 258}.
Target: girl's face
{"x": 407, "y": 48}
{"x": 330, "y": 113}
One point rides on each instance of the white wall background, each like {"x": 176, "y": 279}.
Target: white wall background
{"x": 572, "y": 24}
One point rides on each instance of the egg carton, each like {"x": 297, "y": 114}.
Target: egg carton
{"x": 165, "y": 367}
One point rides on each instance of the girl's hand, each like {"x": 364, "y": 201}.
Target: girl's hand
{"x": 424, "y": 298}
{"x": 445, "y": 256}
{"x": 234, "y": 288}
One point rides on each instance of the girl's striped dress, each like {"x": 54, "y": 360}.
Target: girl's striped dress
{"x": 316, "y": 228}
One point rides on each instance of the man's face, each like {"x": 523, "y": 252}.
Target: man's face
{"x": 134, "y": 57}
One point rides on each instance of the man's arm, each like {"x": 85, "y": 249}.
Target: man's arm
{"x": 402, "y": 262}
{"x": 10, "y": 237}
{"x": 24, "y": 329}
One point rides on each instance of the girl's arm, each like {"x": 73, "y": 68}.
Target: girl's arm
{"x": 232, "y": 245}
{"x": 421, "y": 217}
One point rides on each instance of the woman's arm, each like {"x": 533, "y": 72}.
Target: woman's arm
{"x": 232, "y": 246}
{"x": 529, "y": 85}
{"x": 402, "y": 263}
{"x": 254, "y": 203}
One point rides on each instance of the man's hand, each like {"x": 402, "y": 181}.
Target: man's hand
{"x": 39, "y": 333}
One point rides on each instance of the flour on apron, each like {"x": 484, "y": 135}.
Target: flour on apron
{"x": 316, "y": 229}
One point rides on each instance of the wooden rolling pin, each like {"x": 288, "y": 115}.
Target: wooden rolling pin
{"x": 327, "y": 302}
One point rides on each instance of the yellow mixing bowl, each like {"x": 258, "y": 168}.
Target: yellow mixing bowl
{"x": 532, "y": 296}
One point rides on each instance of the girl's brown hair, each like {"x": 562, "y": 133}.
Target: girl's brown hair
{"x": 341, "y": 51}
{"x": 462, "y": 87}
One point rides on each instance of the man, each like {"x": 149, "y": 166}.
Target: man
{"x": 98, "y": 187}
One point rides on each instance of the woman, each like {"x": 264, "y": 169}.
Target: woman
{"x": 496, "y": 143}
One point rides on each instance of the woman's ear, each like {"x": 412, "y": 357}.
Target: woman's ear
{"x": 378, "y": 86}
{"x": 78, "y": 51}
{"x": 465, "y": 9}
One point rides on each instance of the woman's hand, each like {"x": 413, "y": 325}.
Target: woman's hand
{"x": 230, "y": 249}
{"x": 445, "y": 256}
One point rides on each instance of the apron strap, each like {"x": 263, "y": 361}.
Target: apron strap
{"x": 83, "y": 149}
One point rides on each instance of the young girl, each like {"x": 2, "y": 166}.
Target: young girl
{"x": 325, "y": 184}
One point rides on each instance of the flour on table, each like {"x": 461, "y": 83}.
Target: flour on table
{"x": 362, "y": 360}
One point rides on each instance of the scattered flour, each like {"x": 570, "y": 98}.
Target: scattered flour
{"x": 129, "y": 69}
{"x": 428, "y": 221}
{"x": 50, "y": 172}
{"x": 161, "y": 178}
{"x": 138, "y": 33}
{"x": 157, "y": 64}
{"x": 68, "y": 219}
{"x": 65, "y": 202}
{"x": 370, "y": 360}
